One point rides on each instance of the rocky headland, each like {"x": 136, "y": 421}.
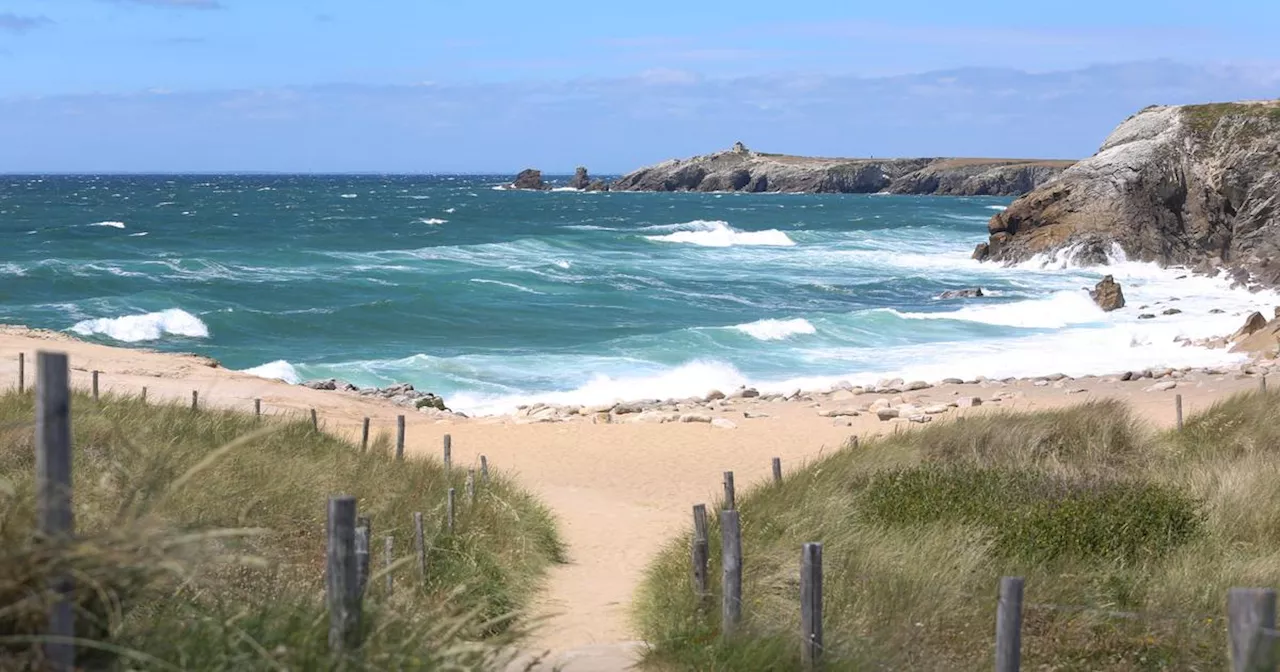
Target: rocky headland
{"x": 1193, "y": 185}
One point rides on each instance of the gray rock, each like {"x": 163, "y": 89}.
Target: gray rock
{"x": 580, "y": 179}
{"x": 887, "y": 413}
{"x": 1163, "y": 386}
{"x": 918, "y": 385}
{"x": 974, "y": 293}
{"x": 695, "y": 417}
{"x": 531, "y": 179}
{"x": 714, "y": 395}
{"x": 952, "y": 381}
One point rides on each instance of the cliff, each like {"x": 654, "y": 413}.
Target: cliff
{"x": 743, "y": 170}
{"x": 1195, "y": 185}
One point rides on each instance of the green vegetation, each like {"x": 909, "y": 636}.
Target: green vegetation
{"x": 1128, "y": 540}
{"x": 201, "y": 546}
{"x": 1258, "y": 117}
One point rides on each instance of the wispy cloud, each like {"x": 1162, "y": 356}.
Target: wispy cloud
{"x": 178, "y": 4}
{"x": 13, "y": 23}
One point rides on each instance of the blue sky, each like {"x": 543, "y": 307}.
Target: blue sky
{"x": 431, "y": 85}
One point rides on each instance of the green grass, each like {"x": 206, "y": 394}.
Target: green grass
{"x": 1259, "y": 118}
{"x": 1134, "y": 535}
{"x": 201, "y": 545}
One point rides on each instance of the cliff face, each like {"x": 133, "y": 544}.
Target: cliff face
{"x": 1195, "y": 185}
{"x": 743, "y": 170}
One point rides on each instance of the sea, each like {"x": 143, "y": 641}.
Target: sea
{"x": 495, "y": 298}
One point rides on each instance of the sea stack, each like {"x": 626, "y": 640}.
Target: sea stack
{"x": 580, "y": 179}
{"x": 531, "y": 179}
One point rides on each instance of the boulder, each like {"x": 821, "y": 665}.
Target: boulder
{"x": 714, "y": 395}
{"x": 972, "y": 293}
{"x": 1265, "y": 340}
{"x": 1107, "y": 294}
{"x": 886, "y": 413}
{"x": 695, "y": 417}
{"x": 598, "y": 185}
{"x": 1252, "y": 324}
{"x": 580, "y": 179}
{"x": 1163, "y": 386}
{"x": 1172, "y": 311}
{"x": 529, "y": 178}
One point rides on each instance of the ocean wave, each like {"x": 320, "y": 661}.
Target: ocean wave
{"x": 433, "y": 221}
{"x": 776, "y": 330}
{"x": 349, "y": 195}
{"x": 114, "y": 225}
{"x": 719, "y": 234}
{"x": 277, "y": 370}
{"x": 1061, "y": 309}
{"x": 138, "y": 235}
{"x": 510, "y": 285}
{"x": 146, "y": 327}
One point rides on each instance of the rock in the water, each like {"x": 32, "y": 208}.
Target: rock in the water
{"x": 598, "y": 185}
{"x": 529, "y": 178}
{"x": 1107, "y": 294}
{"x": 972, "y": 293}
{"x": 1172, "y": 311}
{"x": 580, "y": 179}
{"x": 1217, "y": 311}
{"x": 1146, "y": 316}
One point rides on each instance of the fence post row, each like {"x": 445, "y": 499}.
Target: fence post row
{"x": 53, "y": 491}
{"x": 729, "y": 502}
{"x": 811, "y": 605}
{"x": 1009, "y": 625}
{"x": 700, "y": 553}
{"x": 1251, "y": 613}
{"x": 399, "y": 437}
{"x": 731, "y": 559}
{"x": 364, "y": 532}
{"x": 342, "y": 584}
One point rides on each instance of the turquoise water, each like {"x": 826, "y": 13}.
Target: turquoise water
{"x": 493, "y": 297}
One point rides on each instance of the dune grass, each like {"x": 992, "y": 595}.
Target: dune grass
{"x": 1128, "y": 540}
{"x": 201, "y": 541}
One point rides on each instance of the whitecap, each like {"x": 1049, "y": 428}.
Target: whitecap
{"x": 1000, "y": 208}
{"x": 719, "y": 234}
{"x": 433, "y": 221}
{"x": 277, "y": 370}
{"x": 138, "y": 235}
{"x": 146, "y": 327}
{"x": 450, "y": 210}
{"x": 114, "y": 225}
{"x": 350, "y": 195}
{"x": 776, "y": 330}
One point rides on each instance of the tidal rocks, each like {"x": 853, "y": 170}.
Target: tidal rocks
{"x": 1187, "y": 185}
{"x": 580, "y": 179}
{"x": 972, "y": 293}
{"x": 404, "y": 394}
{"x": 531, "y": 179}
{"x": 1107, "y": 294}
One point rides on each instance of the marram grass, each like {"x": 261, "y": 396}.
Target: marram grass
{"x": 200, "y": 546}
{"x": 1128, "y": 540}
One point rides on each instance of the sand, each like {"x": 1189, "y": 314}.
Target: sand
{"x": 620, "y": 491}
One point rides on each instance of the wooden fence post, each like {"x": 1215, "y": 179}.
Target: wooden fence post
{"x": 701, "y": 553}
{"x": 95, "y": 385}
{"x": 1250, "y": 613}
{"x": 420, "y": 546}
{"x": 484, "y": 470}
{"x": 729, "y": 502}
{"x": 195, "y": 400}
{"x": 448, "y": 453}
{"x": 22, "y": 371}
{"x": 811, "y": 606}
{"x": 364, "y": 436}
{"x": 1262, "y": 384}
{"x": 777, "y": 470}
{"x": 389, "y": 558}
{"x": 342, "y": 585}
{"x": 257, "y": 408}
{"x": 1009, "y": 625}
{"x": 731, "y": 559}
{"x": 364, "y": 532}
{"x": 144, "y": 394}
{"x": 315, "y": 422}
{"x": 53, "y": 491}
{"x": 449, "y": 510}
{"x": 1177, "y": 407}
{"x": 399, "y": 437}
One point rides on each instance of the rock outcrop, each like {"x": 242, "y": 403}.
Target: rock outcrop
{"x": 1191, "y": 185}
{"x": 580, "y": 179}
{"x": 971, "y": 293}
{"x": 741, "y": 169}
{"x": 530, "y": 178}
{"x": 1107, "y": 294}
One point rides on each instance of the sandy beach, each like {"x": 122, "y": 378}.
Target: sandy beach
{"x": 621, "y": 489}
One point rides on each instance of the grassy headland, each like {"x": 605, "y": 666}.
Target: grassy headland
{"x": 1128, "y": 539}
{"x": 201, "y": 542}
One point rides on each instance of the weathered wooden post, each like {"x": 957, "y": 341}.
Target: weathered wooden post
{"x": 1177, "y": 407}
{"x": 448, "y": 453}
{"x": 22, "y": 371}
{"x": 257, "y": 408}
{"x": 731, "y": 559}
{"x": 728, "y": 491}
{"x": 399, "y": 437}
{"x": 315, "y": 422}
{"x": 701, "y": 556}
{"x": 420, "y": 546}
{"x": 471, "y": 486}
{"x": 811, "y": 606}
{"x": 484, "y": 470}
{"x": 777, "y": 470}
{"x": 53, "y": 492}
{"x": 364, "y": 436}
{"x": 95, "y": 385}
{"x": 144, "y": 394}
{"x": 1009, "y": 625}
{"x": 449, "y": 507}
{"x": 389, "y": 558}
{"x": 1251, "y": 612}
{"x": 342, "y": 585}
{"x": 364, "y": 532}
{"x": 195, "y": 400}
{"x": 1262, "y": 384}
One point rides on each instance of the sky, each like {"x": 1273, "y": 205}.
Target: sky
{"x": 495, "y": 86}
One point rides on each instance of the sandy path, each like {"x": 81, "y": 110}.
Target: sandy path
{"x": 620, "y": 491}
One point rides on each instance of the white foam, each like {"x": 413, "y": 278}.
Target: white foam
{"x": 277, "y": 370}
{"x": 562, "y": 189}
{"x": 147, "y": 327}
{"x": 138, "y": 235}
{"x": 114, "y": 225}
{"x": 510, "y": 285}
{"x": 434, "y": 221}
{"x": 350, "y": 195}
{"x": 450, "y": 210}
{"x": 562, "y": 263}
{"x": 1059, "y": 310}
{"x": 1001, "y": 208}
{"x": 776, "y": 330}
{"x": 719, "y": 234}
